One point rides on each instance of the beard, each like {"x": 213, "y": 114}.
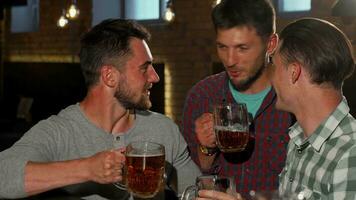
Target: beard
{"x": 245, "y": 84}
{"x": 126, "y": 97}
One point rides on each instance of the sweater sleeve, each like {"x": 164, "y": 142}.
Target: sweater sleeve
{"x": 38, "y": 145}
{"x": 187, "y": 170}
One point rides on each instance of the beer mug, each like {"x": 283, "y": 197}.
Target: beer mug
{"x": 209, "y": 182}
{"x": 231, "y": 127}
{"x": 144, "y": 169}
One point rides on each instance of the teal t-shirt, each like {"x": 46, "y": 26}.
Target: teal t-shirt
{"x": 252, "y": 101}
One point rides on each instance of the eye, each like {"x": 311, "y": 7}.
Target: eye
{"x": 220, "y": 46}
{"x": 144, "y": 70}
{"x": 243, "y": 48}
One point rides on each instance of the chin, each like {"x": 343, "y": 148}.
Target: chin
{"x": 145, "y": 104}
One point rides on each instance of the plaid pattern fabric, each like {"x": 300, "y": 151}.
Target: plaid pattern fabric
{"x": 323, "y": 166}
{"x": 257, "y": 167}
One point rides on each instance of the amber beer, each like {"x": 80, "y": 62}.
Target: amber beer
{"x": 144, "y": 175}
{"x": 231, "y": 127}
{"x": 231, "y": 140}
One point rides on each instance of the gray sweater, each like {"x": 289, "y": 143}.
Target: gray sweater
{"x": 70, "y": 135}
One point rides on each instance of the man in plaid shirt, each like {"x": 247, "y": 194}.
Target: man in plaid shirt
{"x": 311, "y": 63}
{"x": 245, "y": 32}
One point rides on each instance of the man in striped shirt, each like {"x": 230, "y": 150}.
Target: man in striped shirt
{"x": 311, "y": 62}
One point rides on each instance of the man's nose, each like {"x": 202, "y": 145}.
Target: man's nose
{"x": 153, "y": 76}
{"x": 231, "y": 58}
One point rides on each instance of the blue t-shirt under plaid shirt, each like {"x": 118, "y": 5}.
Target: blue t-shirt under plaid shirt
{"x": 323, "y": 166}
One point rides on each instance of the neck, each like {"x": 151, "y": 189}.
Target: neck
{"x": 105, "y": 111}
{"x": 315, "y": 107}
{"x": 259, "y": 85}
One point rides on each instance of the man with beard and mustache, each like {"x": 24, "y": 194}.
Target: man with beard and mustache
{"x": 245, "y": 34}
{"x": 80, "y": 150}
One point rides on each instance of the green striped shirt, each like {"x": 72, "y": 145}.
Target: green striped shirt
{"x": 323, "y": 166}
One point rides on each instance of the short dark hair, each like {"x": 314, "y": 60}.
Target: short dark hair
{"x": 321, "y": 47}
{"x": 258, "y": 14}
{"x": 108, "y": 43}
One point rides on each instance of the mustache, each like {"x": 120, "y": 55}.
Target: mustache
{"x": 234, "y": 67}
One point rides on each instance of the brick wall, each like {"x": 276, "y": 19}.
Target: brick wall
{"x": 186, "y": 46}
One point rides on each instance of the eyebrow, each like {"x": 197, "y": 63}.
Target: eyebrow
{"x": 148, "y": 62}
{"x": 237, "y": 45}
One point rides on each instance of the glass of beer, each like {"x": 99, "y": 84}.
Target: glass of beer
{"x": 209, "y": 182}
{"x": 144, "y": 168}
{"x": 231, "y": 127}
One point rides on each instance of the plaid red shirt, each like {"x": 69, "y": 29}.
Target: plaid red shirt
{"x": 257, "y": 167}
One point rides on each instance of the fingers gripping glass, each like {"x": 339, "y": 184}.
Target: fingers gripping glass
{"x": 209, "y": 182}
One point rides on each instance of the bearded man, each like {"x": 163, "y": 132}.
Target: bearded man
{"x": 81, "y": 149}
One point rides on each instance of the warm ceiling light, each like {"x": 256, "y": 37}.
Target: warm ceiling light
{"x": 169, "y": 14}
{"x": 73, "y": 11}
{"x": 62, "y": 21}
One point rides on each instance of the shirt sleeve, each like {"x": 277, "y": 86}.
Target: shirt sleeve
{"x": 344, "y": 177}
{"x": 195, "y": 105}
{"x": 185, "y": 170}
{"x": 35, "y": 145}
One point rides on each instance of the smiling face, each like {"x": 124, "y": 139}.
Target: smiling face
{"x": 242, "y": 52}
{"x": 137, "y": 77}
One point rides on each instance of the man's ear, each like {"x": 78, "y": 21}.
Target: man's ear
{"x": 272, "y": 43}
{"x": 295, "y": 70}
{"x": 108, "y": 75}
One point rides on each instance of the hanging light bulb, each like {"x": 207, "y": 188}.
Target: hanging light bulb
{"x": 217, "y": 2}
{"x": 169, "y": 14}
{"x": 73, "y": 11}
{"x": 62, "y": 21}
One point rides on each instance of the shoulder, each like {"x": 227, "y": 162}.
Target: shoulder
{"x": 60, "y": 122}
{"x": 209, "y": 85}
{"x": 344, "y": 137}
{"x": 156, "y": 127}
{"x": 211, "y": 81}
{"x": 150, "y": 117}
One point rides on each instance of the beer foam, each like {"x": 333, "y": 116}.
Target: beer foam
{"x": 145, "y": 155}
{"x": 233, "y": 128}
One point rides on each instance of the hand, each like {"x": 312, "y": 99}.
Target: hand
{"x": 204, "y": 129}
{"x": 215, "y": 195}
{"x": 106, "y": 166}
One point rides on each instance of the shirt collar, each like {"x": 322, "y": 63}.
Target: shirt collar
{"x": 269, "y": 98}
{"x": 324, "y": 130}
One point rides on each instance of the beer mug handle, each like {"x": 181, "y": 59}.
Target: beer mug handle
{"x": 190, "y": 193}
{"x": 120, "y": 185}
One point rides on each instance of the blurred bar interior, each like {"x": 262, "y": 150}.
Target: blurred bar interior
{"x": 40, "y": 70}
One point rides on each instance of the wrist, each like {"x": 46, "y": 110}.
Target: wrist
{"x": 208, "y": 151}
{"x": 86, "y": 172}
